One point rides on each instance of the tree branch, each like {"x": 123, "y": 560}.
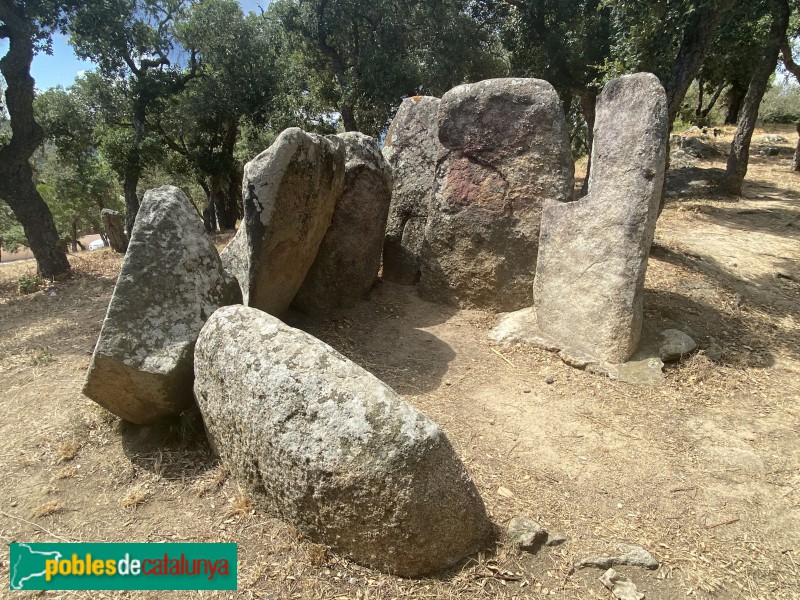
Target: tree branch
{"x": 788, "y": 59}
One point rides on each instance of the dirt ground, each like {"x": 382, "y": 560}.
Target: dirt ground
{"x": 702, "y": 471}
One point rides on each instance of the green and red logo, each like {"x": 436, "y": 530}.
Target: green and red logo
{"x": 118, "y": 566}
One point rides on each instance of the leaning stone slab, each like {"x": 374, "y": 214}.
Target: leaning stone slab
{"x": 411, "y": 149}
{"x": 171, "y": 281}
{"x": 505, "y": 151}
{"x": 115, "y": 230}
{"x": 593, "y": 253}
{"x": 349, "y": 257}
{"x": 325, "y": 445}
{"x": 290, "y": 191}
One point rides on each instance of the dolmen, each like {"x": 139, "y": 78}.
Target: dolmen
{"x": 316, "y": 439}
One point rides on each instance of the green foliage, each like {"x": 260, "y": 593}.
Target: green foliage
{"x": 236, "y": 77}
{"x": 781, "y": 104}
{"x": 646, "y": 35}
{"x": 565, "y": 42}
{"x": 364, "y": 56}
{"x": 687, "y": 114}
{"x": 74, "y": 178}
{"x": 30, "y": 284}
{"x": 12, "y": 236}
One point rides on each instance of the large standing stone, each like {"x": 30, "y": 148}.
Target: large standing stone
{"x": 349, "y": 257}
{"x": 171, "y": 282}
{"x": 290, "y": 191}
{"x": 505, "y": 151}
{"x": 593, "y": 253}
{"x": 325, "y": 445}
{"x": 411, "y": 148}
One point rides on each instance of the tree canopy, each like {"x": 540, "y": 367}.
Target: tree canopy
{"x": 188, "y": 90}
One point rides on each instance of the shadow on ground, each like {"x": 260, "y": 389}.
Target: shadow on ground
{"x": 174, "y": 448}
{"x": 385, "y": 335}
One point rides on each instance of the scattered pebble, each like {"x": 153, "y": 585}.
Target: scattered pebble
{"x": 634, "y": 556}
{"x": 622, "y": 588}
{"x": 526, "y": 534}
{"x": 549, "y": 379}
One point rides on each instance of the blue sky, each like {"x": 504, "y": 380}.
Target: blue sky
{"x": 63, "y": 66}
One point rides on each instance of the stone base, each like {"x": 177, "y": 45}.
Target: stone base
{"x": 644, "y": 367}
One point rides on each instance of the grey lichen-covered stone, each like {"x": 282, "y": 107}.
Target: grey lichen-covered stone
{"x": 675, "y": 344}
{"x": 411, "y": 149}
{"x": 593, "y": 252}
{"x": 632, "y": 556}
{"x": 349, "y": 257}
{"x": 325, "y": 445}
{"x": 526, "y": 534}
{"x": 171, "y": 281}
{"x": 290, "y": 191}
{"x": 505, "y": 150}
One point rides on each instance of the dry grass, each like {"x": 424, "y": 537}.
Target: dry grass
{"x": 136, "y": 497}
{"x": 46, "y": 509}
{"x": 68, "y": 451}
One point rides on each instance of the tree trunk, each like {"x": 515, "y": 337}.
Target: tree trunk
{"x": 235, "y": 195}
{"x": 16, "y": 176}
{"x": 588, "y": 104}
{"x": 112, "y": 223}
{"x": 74, "y": 236}
{"x": 740, "y": 147}
{"x": 712, "y": 103}
{"x": 697, "y": 37}
{"x": 734, "y": 99}
{"x": 348, "y": 117}
{"x": 700, "y": 93}
{"x": 226, "y": 210}
{"x": 129, "y": 185}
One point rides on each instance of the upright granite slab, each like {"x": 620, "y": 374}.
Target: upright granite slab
{"x": 593, "y": 252}
{"x": 505, "y": 151}
{"x": 411, "y": 149}
{"x": 325, "y": 445}
{"x": 171, "y": 281}
{"x": 290, "y": 191}
{"x": 349, "y": 257}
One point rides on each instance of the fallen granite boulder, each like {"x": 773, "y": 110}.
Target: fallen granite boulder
{"x": 290, "y": 191}
{"x": 322, "y": 443}
{"x": 349, "y": 257}
{"x": 171, "y": 281}
{"x": 505, "y": 151}
{"x": 411, "y": 149}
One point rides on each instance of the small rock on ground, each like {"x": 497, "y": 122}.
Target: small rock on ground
{"x": 526, "y": 534}
{"x": 633, "y": 556}
{"x": 714, "y": 350}
{"x": 675, "y": 345}
{"x": 622, "y": 588}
